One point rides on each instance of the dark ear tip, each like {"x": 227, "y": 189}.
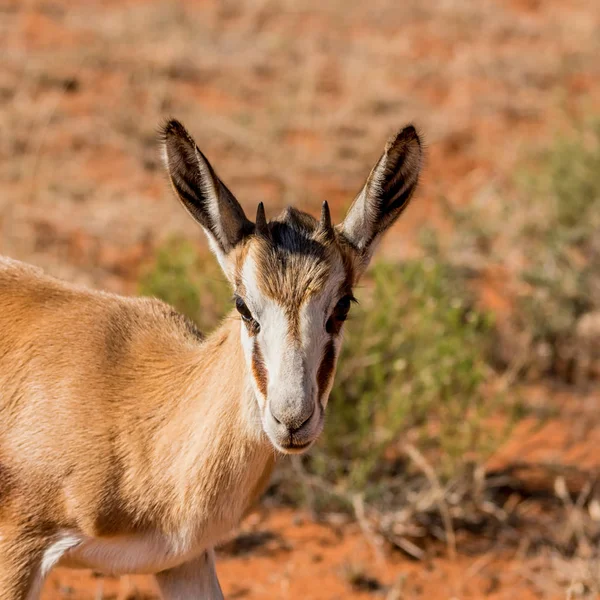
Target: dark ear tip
{"x": 169, "y": 128}
{"x": 408, "y": 134}
{"x": 407, "y": 139}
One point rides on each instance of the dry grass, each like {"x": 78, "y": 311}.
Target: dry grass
{"x": 549, "y": 253}
{"x": 292, "y": 103}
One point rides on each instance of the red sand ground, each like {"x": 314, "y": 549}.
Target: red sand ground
{"x": 312, "y": 561}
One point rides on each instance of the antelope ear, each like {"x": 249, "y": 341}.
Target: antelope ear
{"x": 385, "y": 195}
{"x": 202, "y": 193}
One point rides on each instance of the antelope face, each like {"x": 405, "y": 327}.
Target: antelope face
{"x": 293, "y": 291}
{"x": 292, "y": 277}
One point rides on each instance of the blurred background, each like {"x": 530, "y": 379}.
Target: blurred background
{"x": 460, "y": 458}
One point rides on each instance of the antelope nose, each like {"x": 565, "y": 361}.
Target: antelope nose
{"x": 292, "y": 421}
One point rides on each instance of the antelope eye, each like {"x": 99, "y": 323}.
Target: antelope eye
{"x": 243, "y": 309}
{"x": 339, "y": 314}
{"x": 342, "y": 308}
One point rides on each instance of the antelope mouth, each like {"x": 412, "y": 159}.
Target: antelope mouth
{"x": 294, "y": 447}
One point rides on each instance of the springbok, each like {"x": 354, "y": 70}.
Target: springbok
{"x": 131, "y": 444}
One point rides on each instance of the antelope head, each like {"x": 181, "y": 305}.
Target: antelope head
{"x": 292, "y": 277}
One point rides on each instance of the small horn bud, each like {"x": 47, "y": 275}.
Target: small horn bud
{"x": 325, "y": 225}
{"x": 262, "y": 228}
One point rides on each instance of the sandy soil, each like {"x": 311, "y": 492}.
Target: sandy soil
{"x": 292, "y": 105}
{"x": 296, "y": 558}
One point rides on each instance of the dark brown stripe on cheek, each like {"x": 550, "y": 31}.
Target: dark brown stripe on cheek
{"x": 326, "y": 368}
{"x": 259, "y": 370}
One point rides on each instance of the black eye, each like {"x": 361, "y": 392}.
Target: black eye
{"x": 342, "y": 307}
{"x": 244, "y": 311}
{"x": 339, "y": 314}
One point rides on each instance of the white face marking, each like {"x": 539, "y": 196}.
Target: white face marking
{"x": 274, "y": 325}
{"x": 292, "y": 365}
{"x": 313, "y": 317}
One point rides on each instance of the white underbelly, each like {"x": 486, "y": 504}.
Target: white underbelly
{"x": 127, "y": 555}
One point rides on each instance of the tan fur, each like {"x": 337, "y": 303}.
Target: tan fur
{"x": 114, "y": 417}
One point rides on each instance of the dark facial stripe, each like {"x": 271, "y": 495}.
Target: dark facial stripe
{"x": 258, "y": 369}
{"x": 326, "y": 368}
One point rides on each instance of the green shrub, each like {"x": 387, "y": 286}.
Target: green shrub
{"x": 543, "y": 232}
{"x": 560, "y": 242}
{"x": 189, "y": 281}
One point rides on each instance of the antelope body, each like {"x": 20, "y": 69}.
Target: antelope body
{"x": 131, "y": 444}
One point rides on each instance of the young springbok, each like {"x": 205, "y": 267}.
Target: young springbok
{"x": 131, "y": 444}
